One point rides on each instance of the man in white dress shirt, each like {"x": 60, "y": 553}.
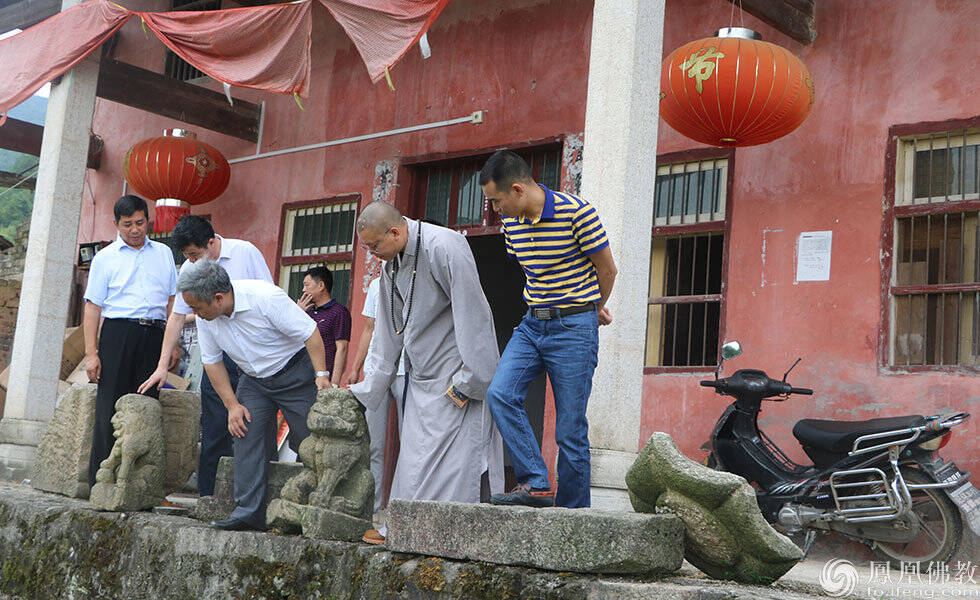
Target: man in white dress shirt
{"x": 377, "y": 419}
{"x": 195, "y": 238}
{"x": 131, "y": 285}
{"x": 280, "y": 352}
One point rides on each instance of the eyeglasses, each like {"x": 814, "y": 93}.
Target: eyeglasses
{"x": 194, "y": 255}
{"x": 373, "y": 246}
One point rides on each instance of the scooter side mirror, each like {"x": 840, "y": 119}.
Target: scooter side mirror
{"x": 731, "y": 350}
{"x": 728, "y": 350}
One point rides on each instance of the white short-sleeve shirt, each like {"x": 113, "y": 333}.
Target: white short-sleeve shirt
{"x": 240, "y": 259}
{"x": 127, "y": 283}
{"x": 265, "y": 329}
{"x": 371, "y": 310}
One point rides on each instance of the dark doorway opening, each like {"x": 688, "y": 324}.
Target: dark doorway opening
{"x": 502, "y": 280}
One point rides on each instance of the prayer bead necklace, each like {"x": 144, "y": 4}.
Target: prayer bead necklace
{"x": 411, "y": 289}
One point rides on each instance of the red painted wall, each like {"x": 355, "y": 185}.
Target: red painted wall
{"x": 875, "y": 63}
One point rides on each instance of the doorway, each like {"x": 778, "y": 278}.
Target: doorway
{"x": 502, "y": 280}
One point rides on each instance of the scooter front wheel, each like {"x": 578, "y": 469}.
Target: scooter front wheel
{"x": 940, "y": 528}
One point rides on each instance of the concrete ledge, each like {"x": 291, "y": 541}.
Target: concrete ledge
{"x": 609, "y": 468}
{"x": 57, "y": 547}
{"x": 23, "y": 432}
{"x": 611, "y": 499}
{"x": 558, "y": 539}
{"x": 16, "y": 461}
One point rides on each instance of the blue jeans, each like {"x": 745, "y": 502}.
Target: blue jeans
{"x": 567, "y": 348}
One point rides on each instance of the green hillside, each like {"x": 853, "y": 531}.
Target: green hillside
{"x": 16, "y": 204}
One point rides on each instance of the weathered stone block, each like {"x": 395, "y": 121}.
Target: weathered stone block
{"x": 580, "y": 540}
{"x": 324, "y": 524}
{"x": 131, "y": 478}
{"x": 285, "y": 516}
{"x": 61, "y": 463}
{"x": 181, "y": 432}
{"x": 220, "y": 505}
{"x": 726, "y": 535}
{"x": 333, "y": 496}
{"x": 62, "y": 456}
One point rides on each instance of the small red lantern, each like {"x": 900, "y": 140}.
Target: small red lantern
{"x": 176, "y": 170}
{"x": 734, "y": 89}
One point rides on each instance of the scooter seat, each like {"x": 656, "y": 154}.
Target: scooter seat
{"x": 838, "y": 436}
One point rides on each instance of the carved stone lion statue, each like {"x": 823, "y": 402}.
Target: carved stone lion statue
{"x": 131, "y": 478}
{"x": 333, "y": 498}
{"x": 725, "y": 534}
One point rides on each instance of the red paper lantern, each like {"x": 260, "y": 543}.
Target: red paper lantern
{"x": 734, "y": 90}
{"x": 176, "y": 170}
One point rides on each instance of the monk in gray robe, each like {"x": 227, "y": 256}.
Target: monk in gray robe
{"x": 431, "y": 304}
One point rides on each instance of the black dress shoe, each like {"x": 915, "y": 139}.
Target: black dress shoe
{"x": 234, "y": 524}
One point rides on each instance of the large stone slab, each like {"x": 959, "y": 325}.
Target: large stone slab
{"x": 220, "y": 505}
{"x": 181, "y": 433}
{"x": 559, "y": 539}
{"x": 61, "y": 461}
{"x": 726, "y": 535}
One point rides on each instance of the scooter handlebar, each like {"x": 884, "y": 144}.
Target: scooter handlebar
{"x": 711, "y": 383}
{"x": 804, "y": 391}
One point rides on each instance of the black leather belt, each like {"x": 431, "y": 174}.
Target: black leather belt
{"x": 290, "y": 363}
{"x": 148, "y": 322}
{"x": 544, "y": 313}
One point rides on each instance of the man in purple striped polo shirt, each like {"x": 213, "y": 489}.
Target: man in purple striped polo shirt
{"x": 332, "y": 318}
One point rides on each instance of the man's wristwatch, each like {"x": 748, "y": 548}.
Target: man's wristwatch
{"x": 322, "y": 374}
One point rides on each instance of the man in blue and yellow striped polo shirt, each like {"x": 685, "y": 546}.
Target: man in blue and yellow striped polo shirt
{"x": 563, "y": 250}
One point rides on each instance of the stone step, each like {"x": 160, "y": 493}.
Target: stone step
{"x": 57, "y": 547}
{"x": 582, "y": 540}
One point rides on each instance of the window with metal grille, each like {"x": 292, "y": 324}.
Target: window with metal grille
{"x": 686, "y": 264}
{"x": 291, "y": 279}
{"x": 318, "y": 234}
{"x": 322, "y": 229}
{"x": 450, "y": 192}
{"x": 935, "y": 279}
{"x": 175, "y": 66}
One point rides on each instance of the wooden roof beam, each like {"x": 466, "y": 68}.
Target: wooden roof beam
{"x": 161, "y": 95}
{"x": 795, "y": 18}
{"x": 8, "y": 180}
{"x": 21, "y": 136}
{"x": 24, "y": 13}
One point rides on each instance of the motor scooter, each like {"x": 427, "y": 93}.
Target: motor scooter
{"x": 880, "y": 481}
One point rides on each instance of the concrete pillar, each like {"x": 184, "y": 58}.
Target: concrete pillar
{"x": 618, "y": 177}
{"x": 51, "y": 248}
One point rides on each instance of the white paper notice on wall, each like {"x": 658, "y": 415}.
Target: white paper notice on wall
{"x": 813, "y": 256}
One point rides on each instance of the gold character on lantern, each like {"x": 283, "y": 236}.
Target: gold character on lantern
{"x": 202, "y": 162}
{"x": 699, "y": 66}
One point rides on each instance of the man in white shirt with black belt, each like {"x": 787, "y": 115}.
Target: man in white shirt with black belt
{"x": 281, "y": 355}
{"x": 130, "y": 288}
{"x": 195, "y": 238}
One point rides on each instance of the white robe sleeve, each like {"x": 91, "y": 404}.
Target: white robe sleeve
{"x": 455, "y": 271}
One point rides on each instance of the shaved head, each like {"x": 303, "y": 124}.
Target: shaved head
{"x": 378, "y": 217}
